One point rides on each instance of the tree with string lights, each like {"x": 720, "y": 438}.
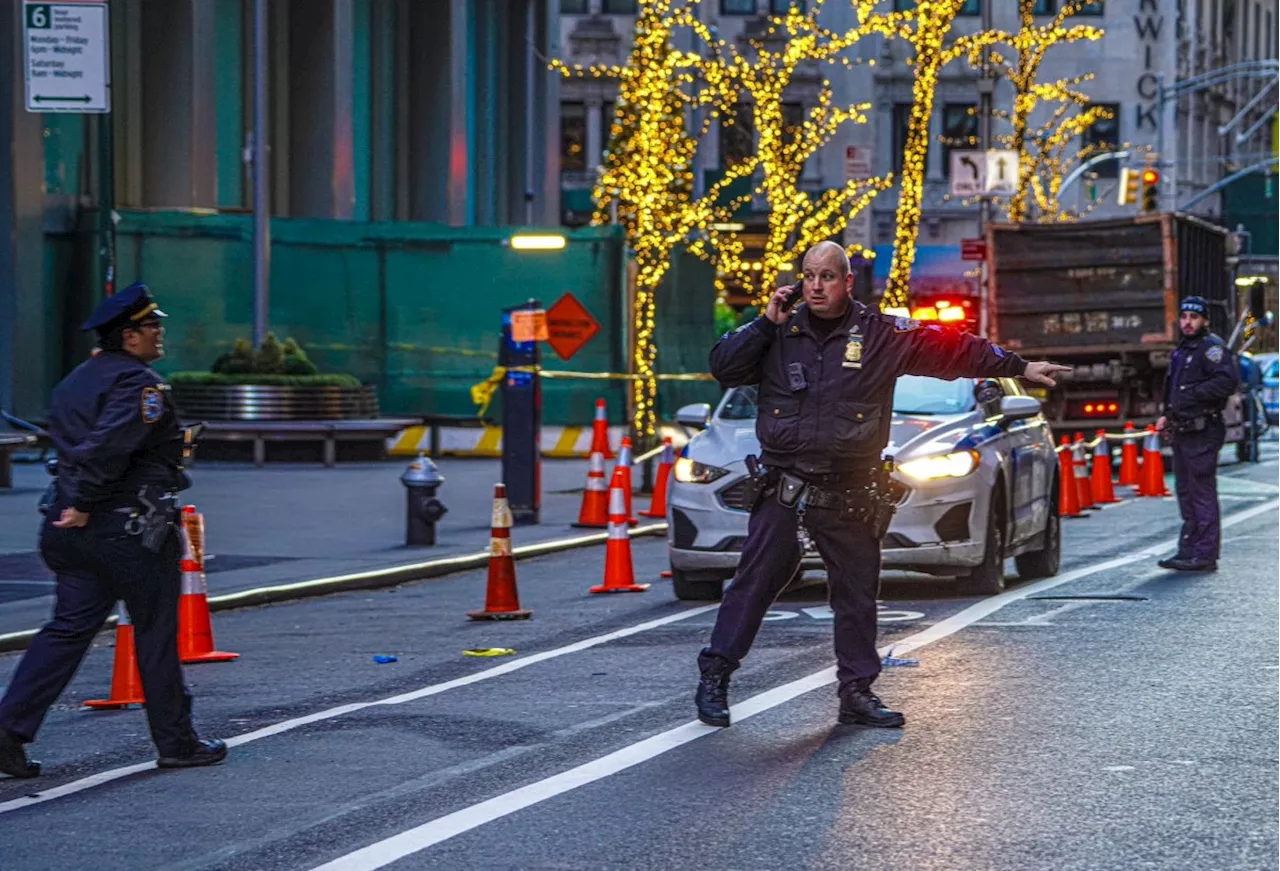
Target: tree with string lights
{"x": 646, "y": 179}
{"x": 797, "y": 219}
{"x": 925, "y": 27}
{"x": 1029, "y": 46}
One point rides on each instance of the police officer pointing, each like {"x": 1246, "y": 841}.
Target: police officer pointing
{"x": 109, "y": 534}
{"x": 826, "y": 372}
{"x": 1202, "y": 376}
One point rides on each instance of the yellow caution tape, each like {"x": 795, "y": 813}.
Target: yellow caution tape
{"x": 482, "y": 393}
{"x": 489, "y": 651}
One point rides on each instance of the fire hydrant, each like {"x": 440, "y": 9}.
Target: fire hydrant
{"x": 422, "y": 509}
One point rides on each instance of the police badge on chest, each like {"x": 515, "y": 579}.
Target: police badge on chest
{"x": 853, "y": 353}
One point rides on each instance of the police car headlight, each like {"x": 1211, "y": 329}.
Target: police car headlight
{"x": 689, "y": 471}
{"x": 954, "y": 465}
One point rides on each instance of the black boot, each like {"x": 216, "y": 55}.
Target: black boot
{"x": 712, "y": 697}
{"x": 861, "y": 707}
{"x": 1193, "y": 564}
{"x": 210, "y": 751}
{"x": 1171, "y": 562}
{"x": 13, "y": 758}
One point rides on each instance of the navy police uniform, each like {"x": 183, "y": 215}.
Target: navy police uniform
{"x": 825, "y": 406}
{"x": 1201, "y": 378}
{"x": 119, "y": 450}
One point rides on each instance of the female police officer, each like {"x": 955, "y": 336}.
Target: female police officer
{"x": 826, "y": 373}
{"x": 109, "y": 535}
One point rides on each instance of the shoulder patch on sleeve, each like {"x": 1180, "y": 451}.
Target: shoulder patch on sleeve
{"x": 1214, "y": 353}
{"x": 152, "y": 404}
{"x": 905, "y": 325}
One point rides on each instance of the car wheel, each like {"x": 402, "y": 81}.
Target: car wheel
{"x": 1044, "y": 563}
{"x": 694, "y": 587}
{"x": 987, "y": 578}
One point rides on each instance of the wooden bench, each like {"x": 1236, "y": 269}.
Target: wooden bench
{"x": 10, "y": 442}
{"x": 328, "y": 432}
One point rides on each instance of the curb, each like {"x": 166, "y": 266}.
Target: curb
{"x": 368, "y": 580}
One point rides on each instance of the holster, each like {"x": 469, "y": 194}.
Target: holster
{"x": 161, "y": 510}
{"x": 757, "y": 481}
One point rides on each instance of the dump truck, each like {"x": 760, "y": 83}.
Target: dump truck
{"x": 1102, "y": 297}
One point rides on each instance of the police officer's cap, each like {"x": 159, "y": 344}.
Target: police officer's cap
{"x": 1197, "y": 304}
{"x": 127, "y": 307}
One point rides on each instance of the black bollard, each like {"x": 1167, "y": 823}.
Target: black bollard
{"x": 422, "y": 509}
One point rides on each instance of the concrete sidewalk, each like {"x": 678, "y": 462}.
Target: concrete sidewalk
{"x": 291, "y": 523}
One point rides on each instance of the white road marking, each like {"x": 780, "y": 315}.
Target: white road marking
{"x": 288, "y": 725}
{"x": 383, "y": 853}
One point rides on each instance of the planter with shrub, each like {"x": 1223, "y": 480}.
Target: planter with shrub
{"x": 275, "y": 382}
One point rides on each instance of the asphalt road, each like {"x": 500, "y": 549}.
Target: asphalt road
{"x": 1117, "y": 716}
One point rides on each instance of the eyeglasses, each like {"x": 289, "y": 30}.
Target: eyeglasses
{"x": 149, "y": 325}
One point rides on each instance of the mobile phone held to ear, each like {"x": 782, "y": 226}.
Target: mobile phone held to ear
{"x": 797, "y": 293}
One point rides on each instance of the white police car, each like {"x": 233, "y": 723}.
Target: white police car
{"x": 976, "y": 483}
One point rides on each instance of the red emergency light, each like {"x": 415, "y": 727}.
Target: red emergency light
{"x": 944, "y": 311}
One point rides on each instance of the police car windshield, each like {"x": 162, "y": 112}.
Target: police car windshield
{"x": 913, "y": 395}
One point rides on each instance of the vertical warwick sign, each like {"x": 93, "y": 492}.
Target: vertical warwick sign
{"x": 1148, "y": 22}
{"x": 68, "y": 66}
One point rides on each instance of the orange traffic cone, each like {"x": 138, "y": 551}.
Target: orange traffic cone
{"x": 501, "y": 599}
{"x": 1103, "y": 492}
{"x": 195, "y": 629}
{"x": 619, "y": 576}
{"x": 1129, "y": 475}
{"x": 1068, "y": 496}
{"x": 595, "y": 499}
{"x": 1080, "y": 464}
{"x": 624, "y": 465}
{"x": 126, "y": 681}
{"x": 1152, "y": 466}
{"x": 600, "y": 432}
{"x": 658, "y": 505}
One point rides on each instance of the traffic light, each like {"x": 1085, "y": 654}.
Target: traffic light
{"x": 1150, "y": 190}
{"x": 1128, "y": 191}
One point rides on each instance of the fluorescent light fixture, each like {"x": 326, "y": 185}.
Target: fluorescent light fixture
{"x": 728, "y": 228}
{"x": 1250, "y": 280}
{"x": 550, "y": 242}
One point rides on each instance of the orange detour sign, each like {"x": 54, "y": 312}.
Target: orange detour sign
{"x": 569, "y": 326}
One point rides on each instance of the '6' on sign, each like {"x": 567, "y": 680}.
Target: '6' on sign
{"x": 38, "y": 17}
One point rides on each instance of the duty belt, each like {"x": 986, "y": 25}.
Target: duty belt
{"x": 157, "y": 509}
{"x": 1194, "y": 424}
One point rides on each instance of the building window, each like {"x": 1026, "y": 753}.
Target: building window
{"x": 901, "y": 124}
{"x": 573, "y": 7}
{"x": 1104, "y": 135}
{"x": 573, "y": 136}
{"x": 782, "y": 7}
{"x": 737, "y": 7}
{"x": 959, "y": 130}
{"x": 1097, "y": 8}
{"x": 1044, "y": 7}
{"x": 737, "y": 135}
{"x": 618, "y": 7}
{"x": 792, "y": 121}
{"x": 970, "y": 7}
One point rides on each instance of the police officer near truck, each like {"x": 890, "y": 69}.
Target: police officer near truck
{"x": 110, "y": 533}
{"x": 826, "y": 370}
{"x": 1201, "y": 378}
